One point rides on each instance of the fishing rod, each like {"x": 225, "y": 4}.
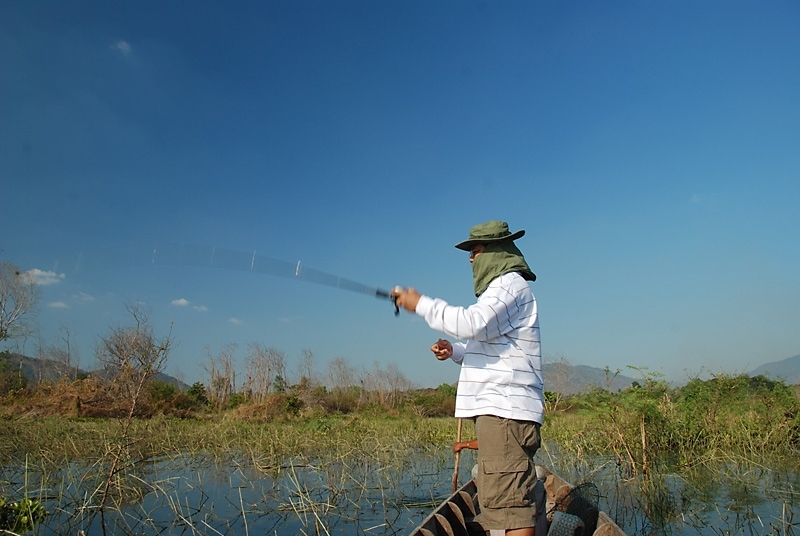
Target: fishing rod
{"x": 199, "y": 255}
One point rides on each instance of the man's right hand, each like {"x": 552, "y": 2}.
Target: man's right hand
{"x": 407, "y": 298}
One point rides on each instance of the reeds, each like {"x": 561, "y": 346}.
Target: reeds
{"x": 160, "y": 475}
{"x": 655, "y": 461}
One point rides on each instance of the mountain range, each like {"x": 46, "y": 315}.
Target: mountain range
{"x": 787, "y": 370}
{"x": 560, "y": 377}
{"x": 38, "y": 370}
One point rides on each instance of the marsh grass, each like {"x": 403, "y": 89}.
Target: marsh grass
{"x": 346, "y": 475}
{"x": 713, "y": 458}
{"x": 221, "y": 476}
{"x": 692, "y": 425}
{"x": 718, "y": 495}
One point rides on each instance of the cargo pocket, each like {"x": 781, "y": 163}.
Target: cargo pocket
{"x": 502, "y": 483}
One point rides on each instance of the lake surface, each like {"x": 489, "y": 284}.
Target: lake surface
{"x": 202, "y": 496}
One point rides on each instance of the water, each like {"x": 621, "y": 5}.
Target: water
{"x": 195, "y": 495}
{"x": 726, "y": 497}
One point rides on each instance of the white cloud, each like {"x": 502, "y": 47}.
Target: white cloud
{"x": 235, "y": 321}
{"x": 58, "y": 305}
{"x": 183, "y": 302}
{"x": 43, "y": 278}
{"x": 121, "y": 46}
{"x": 83, "y": 297}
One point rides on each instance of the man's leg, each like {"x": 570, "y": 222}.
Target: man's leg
{"x": 506, "y": 476}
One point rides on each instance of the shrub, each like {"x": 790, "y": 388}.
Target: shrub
{"x": 730, "y": 414}
{"x": 439, "y": 402}
{"x": 161, "y": 391}
{"x": 10, "y": 380}
{"x": 236, "y": 400}
{"x": 198, "y": 392}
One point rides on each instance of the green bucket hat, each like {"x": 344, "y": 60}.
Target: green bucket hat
{"x": 487, "y": 233}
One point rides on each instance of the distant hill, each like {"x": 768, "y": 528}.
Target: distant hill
{"x": 38, "y": 370}
{"x": 569, "y": 379}
{"x": 787, "y": 370}
{"x": 559, "y": 377}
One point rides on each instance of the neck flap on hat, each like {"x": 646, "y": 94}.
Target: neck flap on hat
{"x": 496, "y": 260}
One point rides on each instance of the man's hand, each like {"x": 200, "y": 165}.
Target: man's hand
{"x": 460, "y": 445}
{"x": 407, "y": 298}
{"x": 442, "y": 349}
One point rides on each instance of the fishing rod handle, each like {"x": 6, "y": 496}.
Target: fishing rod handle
{"x": 397, "y": 288}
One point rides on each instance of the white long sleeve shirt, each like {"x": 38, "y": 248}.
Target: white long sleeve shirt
{"x": 501, "y": 361}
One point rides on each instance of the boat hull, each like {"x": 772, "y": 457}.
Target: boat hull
{"x": 456, "y": 515}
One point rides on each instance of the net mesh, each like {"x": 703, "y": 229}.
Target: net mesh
{"x": 582, "y": 501}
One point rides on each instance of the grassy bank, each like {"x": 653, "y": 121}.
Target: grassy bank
{"x": 702, "y": 421}
{"x": 60, "y": 440}
{"x": 727, "y": 414}
{"x": 92, "y": 471}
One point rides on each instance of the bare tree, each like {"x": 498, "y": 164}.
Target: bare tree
{"x": 373, "y": 384}
{"x": 259, "y": 376}
{"x": 63, "y": 353}
{"x": 278, "y": 364}
{"x": 265, "y": 367}
{"x": 132, "y": 356}
{"x": 308, "y": 383}
{"x": 344, "y": 382}
{"x": 560, "y": 378}
{"x": 19, "y": 295}
{"x": 222, "y": 375}
{"x": 305, "y": 369}
{"x": 340, "y": 374}
{"x": 398, "y": 384}
{"x": 384, "y": 386}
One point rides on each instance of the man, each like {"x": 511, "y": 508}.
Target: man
{"x": 500, "y": 384}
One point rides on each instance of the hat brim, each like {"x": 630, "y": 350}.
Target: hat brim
{"x": 467, "y": 245}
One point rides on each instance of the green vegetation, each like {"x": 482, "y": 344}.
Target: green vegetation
{"x": 10, "y": 380}
{"x": 59, "y": 424}
{"x": 112, "y": 459}
{"x": 88, "y": 440}
{"x": 689, "y": 425}
{"x": 731, "y": 414}
{"x": 20, "y": 516}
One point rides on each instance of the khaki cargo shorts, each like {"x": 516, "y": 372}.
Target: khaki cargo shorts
{"x": 506, "y": 472}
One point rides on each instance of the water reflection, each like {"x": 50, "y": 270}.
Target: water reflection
{"x": 734, "y": 496}
{"x": 205, "y": 495}
{"x": 347, "y": 496}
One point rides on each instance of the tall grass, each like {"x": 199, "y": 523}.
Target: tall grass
{"x": 316, "y": 474}
{"x": 688, "y": 426}
{"x": 90, "y": 469}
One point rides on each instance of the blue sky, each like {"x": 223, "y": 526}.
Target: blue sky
{"x": 649, "y": 149}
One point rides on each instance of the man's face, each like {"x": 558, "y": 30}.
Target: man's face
{"x": 476, "y": 250}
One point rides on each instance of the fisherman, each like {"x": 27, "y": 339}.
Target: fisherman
{"x": 500, "y": 385}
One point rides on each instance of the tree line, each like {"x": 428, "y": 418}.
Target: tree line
{"x": 132, "y": 358}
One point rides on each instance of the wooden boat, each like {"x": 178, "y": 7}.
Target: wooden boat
{"x": 456, "y": 515}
